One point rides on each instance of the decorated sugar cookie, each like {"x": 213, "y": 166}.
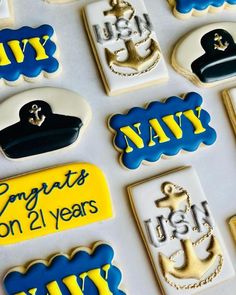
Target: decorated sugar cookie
{"x": 42, "y": 120}
{"x": 52, "y": 200}
{"x": 207, "y": 56}
{"x": 27, "y": 53}
{"x": 179, "y": 232}
{"x": 185, "y": 8}
{"x": 232, "y": 225}
{"x": 147, "y": 134}
{"x": 124, "y": 44}
{"x": 85, "y": 272}
{"x": 229, "y": 97}
{"x": 6, "y": 13}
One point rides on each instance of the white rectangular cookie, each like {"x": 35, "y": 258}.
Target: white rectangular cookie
{"x": 229, "y": 97}
{"x": 124, "y": 44}
{"x": 183, "y": 242}
{"x": 6, "y": 13}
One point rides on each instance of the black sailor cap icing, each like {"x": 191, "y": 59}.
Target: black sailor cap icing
{"x": 219, "y": 60}
{"x": 38, "y": 131}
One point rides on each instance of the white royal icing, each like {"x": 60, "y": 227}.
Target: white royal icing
{"x": 94, "y": 15}
{"x": 145, "y": 197}
{"x": 189, "y": 47}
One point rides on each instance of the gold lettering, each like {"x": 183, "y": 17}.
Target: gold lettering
{"x": 53, "y": 288}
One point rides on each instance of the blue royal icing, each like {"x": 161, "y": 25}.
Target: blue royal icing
{"x": 185, "y": 6}
{"x": 161, "y": 129}
{"x": 39, "y": 275}
{"x": 33, "y": 58}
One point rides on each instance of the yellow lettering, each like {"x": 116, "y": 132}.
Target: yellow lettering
{"x": 53, "y": 288}
{"x": 4, "y": 60}
{"x": 100, "y": 283}
{"x": 159, "y": 132}
{"x": 16, "y": 50}
{"x": 31, "y": 292}
{"x": 197, "y": 124}
{"x": 72, "y": 285}
{"x": 174, "y": 127}
{"x": 133, "y": 136}
{"x": 38, "y": 47}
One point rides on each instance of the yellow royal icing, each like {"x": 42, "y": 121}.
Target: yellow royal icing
{"x": 52, "y": 200}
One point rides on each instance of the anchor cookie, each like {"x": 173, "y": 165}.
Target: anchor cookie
{"x": 52, "y": 200}
{"x": 161, "y": 129}
{"x": 207, "y": 56}
{"x": 184, "y": 9}
{"x": 85, "y": 272}
{"x": 6, "y": 13}
{"x": 124, "y": 44}
{"x": 42, "y": 120}
{"x": 27, "y": 53}
{"x": 229, "y": 97}
{"x": 183, "y": 242}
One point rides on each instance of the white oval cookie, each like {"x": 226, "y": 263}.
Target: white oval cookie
{"x": 207, "y": 56}
{"x": 42, "y": 120}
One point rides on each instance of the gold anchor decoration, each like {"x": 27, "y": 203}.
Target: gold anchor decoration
{"x": 194, "y": 267}
{"x": 219, "y": 45}
{"x": 37, "y": 121}
{"x": 134, "y": 60}
{"x": 174, "y": 196}
{"x": 119, "y": 8}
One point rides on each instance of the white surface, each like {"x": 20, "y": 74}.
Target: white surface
{"x": 215, "y": 165}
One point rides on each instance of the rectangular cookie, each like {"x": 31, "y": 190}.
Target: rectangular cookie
{"x": 229, "y": 97}
{"x": 183, "y": 242}
{"x": 124, "y": 44}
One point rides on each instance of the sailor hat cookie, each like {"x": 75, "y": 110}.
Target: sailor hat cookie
{"x": 27, "y": 53}
{"x": 85, "y": 272}
{"x": 183, "y": 9}
{"x": 42, "y": 120}
{"x": 124, "y": 44}
{"x": 162, "y": 128}
{"x": 181, "y": 237}
{"x": 207, "y": 56}
{"x": 52, "y": 200}
{"x": 229, "y": 97}
{"x": 6, "y": 13}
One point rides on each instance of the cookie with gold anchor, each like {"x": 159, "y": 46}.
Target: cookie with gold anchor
{"x": 207, "y": 56}
{"x": 124, "y": 44}
{"x": 42, "y": 120}
{"x": 179, "y": 231}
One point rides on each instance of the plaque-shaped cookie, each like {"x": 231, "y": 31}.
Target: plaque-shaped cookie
{"x": 124, "y": 44}
{"x": 178, "y": 228}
